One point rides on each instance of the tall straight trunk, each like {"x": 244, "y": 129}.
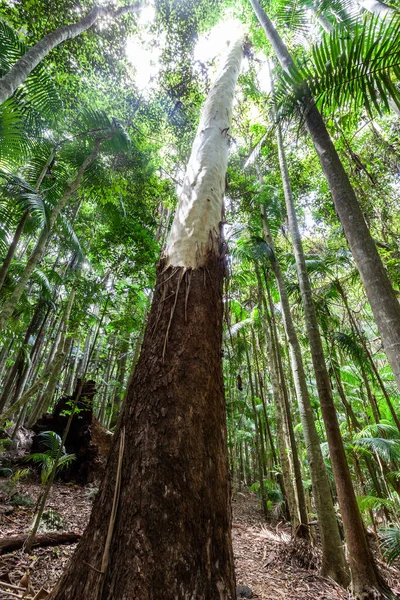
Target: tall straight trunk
{"x": 9, "y": 306}
{"x": 269, "y": 440}
{"x": 282, "y": 436}
{"x": 365, "y": 579}
{"x": 18, "y": 370}
{"x": 355, "y": 425}
{"x": 25, "y": 65}
{"x": 381, "y": 296}
{"x": 257, "y": 437}
{"x": 70, "y": 383}
{"x": 333, "y": 559}
{"x": 12, "y": 248}
{"x": 59, "y": 353}
{"x": 303, "y": 530}
{"x": 4, "y": 354}
{"x": 366, "y": 582}
{"x": 169, "y": 535}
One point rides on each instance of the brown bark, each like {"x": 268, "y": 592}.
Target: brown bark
{"x": 53, "y": 538}
{"x": 172, "y": 533}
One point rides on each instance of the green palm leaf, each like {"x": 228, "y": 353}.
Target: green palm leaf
{"x": 390, "y": 543}
{"x": 349, "y": 68}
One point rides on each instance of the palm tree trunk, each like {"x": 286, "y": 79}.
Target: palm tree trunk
{"x": 13, "y": 246}
{"x": 257, "y": 437}
{"x": 333, "y": 559}
{"x": 25, "y": 65}
{"x": 282, "y": 433}
{"x": 173, "y": 420}
{"x": 60, "y": 350}
{"x": 303, "y": 530}
{"x": 381, "y": 296}
{"x": 365, "y": 579}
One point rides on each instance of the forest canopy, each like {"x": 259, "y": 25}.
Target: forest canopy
{"x": 200, "y": 234}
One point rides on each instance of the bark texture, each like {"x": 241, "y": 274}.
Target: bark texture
{"x": 172, "y": 534}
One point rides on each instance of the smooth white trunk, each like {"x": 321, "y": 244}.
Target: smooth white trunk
{"x": 195, "y": 229}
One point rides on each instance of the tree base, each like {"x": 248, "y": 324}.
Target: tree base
{"x": 172, "y": 534}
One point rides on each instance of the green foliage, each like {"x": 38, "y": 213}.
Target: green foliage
{"x": 47, "y": 459}
{"x": 351, "y": 68}
{"x": 390, "y": 543}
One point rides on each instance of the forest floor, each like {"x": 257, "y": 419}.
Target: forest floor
{"x": 263, "y": 554}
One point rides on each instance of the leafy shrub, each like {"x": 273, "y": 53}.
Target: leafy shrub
{"x": 46, "y": 459}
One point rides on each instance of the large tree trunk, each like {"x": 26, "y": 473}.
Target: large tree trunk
{"x": 161, "y": 525}
{"x": 333, "y": 559}
{"x": 25, "y": 65}
{"x": 171, "y": 536}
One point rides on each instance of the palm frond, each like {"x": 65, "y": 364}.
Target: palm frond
{"x": 349, "y": 68}
{"x": 39, "y": 89}
{"x": 351, "y": 347}
{"x": 366, "y": 503}
{"x": 390, "y": 543}
{"x": 20, "y": 194}
{"x": 389, "y": 450}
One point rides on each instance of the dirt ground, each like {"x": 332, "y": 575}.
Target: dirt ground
{"x": 261, "y": 556}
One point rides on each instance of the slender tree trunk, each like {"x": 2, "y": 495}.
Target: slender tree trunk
{"x": 333, "y": 559}
{"x": 275, "y": 463}
{"x": 381, "y": 296}
{"x": 303, "y": 530}
{"x": 167, "y": 531}
{"x": 257, "y": 443}
{"x": 25, "y": 65}
{"x": 60, "y": 352}
{"x": 281, "y": 422}
{"x": 365, "y": 580}
{"x": 70, "y": 384}
{"x": 356, "y": 426}
{"x": 12, "y": 248}
{"x": 35, "y": 257}
{"x": 4, "y": 354}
